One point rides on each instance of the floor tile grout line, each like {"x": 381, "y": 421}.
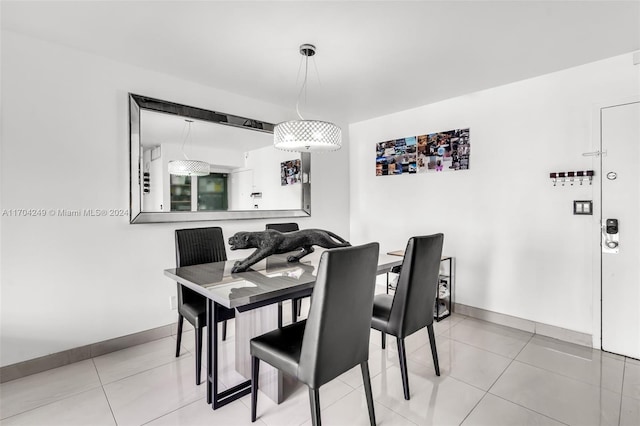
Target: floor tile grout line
{"x": 474, "y": 407}
{"x": 352, "y": 389}
{"x": 533, "y": 365}
{"x": 104, "y": 392}
{"x": 510, "y": 363}
{"x": 394, "y": 412}
{"x": 528, "y": 409}
{"x": 172, "y": 411}
{"x": 466, "y": 383}
{"x": 400, "y": 414}
{"x": 531, "y": 335}
{"x": 501, "y": 374}
{"x": 174, "y": 359}
{"x": 494, "y": 324}
{"x": 485, "y": 349}
{"x": 561, "y": 375}
{"x": 624, "y": 370}
{"x": 570, "y": 377}
{"x": 382, "y": 403}
{"x": 430, "y": 365}
{"x": 71, "y": 395}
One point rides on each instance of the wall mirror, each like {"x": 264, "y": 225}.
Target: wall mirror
{"x": 247, "y": 178}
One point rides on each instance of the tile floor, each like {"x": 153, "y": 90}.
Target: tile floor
{"x": 490, "y": 375}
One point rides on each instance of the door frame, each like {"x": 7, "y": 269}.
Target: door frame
{"x": 596, "y": 276}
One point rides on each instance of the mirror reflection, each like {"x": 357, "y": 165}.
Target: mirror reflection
{"x": 246, "y": 177}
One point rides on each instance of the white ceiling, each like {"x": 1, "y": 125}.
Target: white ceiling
{"x": 373, "y": 58}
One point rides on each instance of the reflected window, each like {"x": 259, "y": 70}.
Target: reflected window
{"x": 212, "y": 192}
{"x": 180, "y": 193}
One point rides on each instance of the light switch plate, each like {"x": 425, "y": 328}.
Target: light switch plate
{"x": 583, "y": 207}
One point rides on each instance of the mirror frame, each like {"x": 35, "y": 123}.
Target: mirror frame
{"x": 136, "y": 215}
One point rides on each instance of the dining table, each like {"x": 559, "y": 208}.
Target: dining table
{"x": 254, "y": 294}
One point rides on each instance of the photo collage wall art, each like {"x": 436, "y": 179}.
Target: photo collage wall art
{"x": 435, "y": 152}
{"x": 290, "y": 172}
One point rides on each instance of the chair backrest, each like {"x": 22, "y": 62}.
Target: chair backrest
{"x": 415, "y": 294}
{"x": 336, "y": 336}
{"x": 199, "y": 245}
{"x": 283, "y": 227}
{"x": 193, "y": 247}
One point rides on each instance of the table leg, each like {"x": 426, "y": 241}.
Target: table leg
{"x": 250, "y": 324}
{"x": 215, "y": 398}
{"x": 209, "y": 349}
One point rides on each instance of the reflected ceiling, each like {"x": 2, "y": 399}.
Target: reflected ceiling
{"x": 158, "y": 128}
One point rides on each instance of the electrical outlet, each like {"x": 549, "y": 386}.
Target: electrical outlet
{"x": 173, "y": 303}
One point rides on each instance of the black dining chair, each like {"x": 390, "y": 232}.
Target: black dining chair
{"x": 296, "y": 303}
{"x": 335, "y": 336}
{"x": 411, "y": 308}
{"x": 193, "y": 247}
{"x": 283, "y": 227}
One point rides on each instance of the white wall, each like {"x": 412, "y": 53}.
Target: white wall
{"x": 265, "y": 163}
{"x": 72, "y": 281}
{"x": 519, "y": 249}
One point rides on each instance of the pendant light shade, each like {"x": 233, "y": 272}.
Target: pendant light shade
{"x": 306, "y": 135}
{"x": 188, "y": 167}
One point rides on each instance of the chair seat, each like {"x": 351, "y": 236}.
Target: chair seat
{"x": 281, "y": 347}
{"x": 195, "y": 313}
{"x": 225, "y": 313}
{"x": 381, "y": 311}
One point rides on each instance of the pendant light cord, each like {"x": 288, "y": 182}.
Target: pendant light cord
{"x": 184, "y": 141}
{"x": 304, "y": 87}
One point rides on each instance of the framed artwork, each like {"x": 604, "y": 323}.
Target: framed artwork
{"x": 290, "y": 172}
{"x": 431, "y": 153}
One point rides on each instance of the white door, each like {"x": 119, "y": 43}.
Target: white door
{"x": 621, "y": 229}
{"x": 240, "y": 189}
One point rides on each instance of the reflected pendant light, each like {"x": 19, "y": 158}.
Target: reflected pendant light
{"x": 306, "y": 135}
{"x": 188, "y": 167}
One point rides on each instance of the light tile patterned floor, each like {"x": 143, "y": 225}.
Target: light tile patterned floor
{"x": 491, "y": 375}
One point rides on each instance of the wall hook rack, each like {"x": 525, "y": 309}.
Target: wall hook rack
{"x": 572, "y": 177}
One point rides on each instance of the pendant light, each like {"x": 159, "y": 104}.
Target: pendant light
{"x": 306, "y": 135}
{"x": 188, "y": 167}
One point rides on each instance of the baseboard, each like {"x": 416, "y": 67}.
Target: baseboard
{"x": 542, "y": 329}
{"x": 60, "y": 359}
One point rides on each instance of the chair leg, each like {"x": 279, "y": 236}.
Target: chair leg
{"x": 299, "y": 306}
{"x": 314, "y": 400}
{"x": 255, "y": 368}
{"x": 279, "y": 314}
{"x": 179, "y": 335}
{"x": 434, "y": 351}
{"x": 198, "y": 334}
{"x": 402, "y": 355}
{"x": 294, "y": 311}
{"x": 384, "y": 340}
{"x": 224, "y": 330}
{"x": 366, "y": 378}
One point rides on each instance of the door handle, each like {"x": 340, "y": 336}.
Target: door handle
{"x": 612, "y": 244}
{"x": 610, "y": 236}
